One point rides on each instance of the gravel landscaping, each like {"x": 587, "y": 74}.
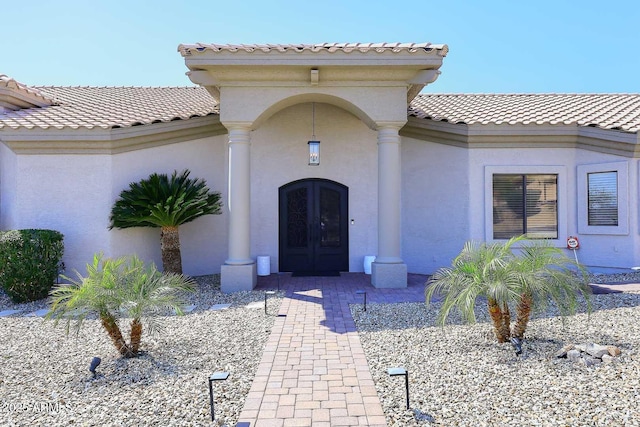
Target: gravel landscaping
{"x": 460, "y": 376}
{"x": 45, "y": 378}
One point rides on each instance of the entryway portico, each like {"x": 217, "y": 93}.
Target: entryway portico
{"x": 374, "y": 82}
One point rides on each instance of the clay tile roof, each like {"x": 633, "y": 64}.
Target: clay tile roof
{"x": 111, "y": 107}
{"x": 606, "y": 111}
{"x": 188, "y": 49}
{"x": 15, "y": 95}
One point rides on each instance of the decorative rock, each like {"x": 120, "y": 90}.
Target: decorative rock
{"x": 562, "y": 353}
{"x": 574, "y": 355}
{"x": 613, "y": 350}
{"x": 596, "y": 350}
{"x": 256, "y": 304}
{"x": 607, "y": 359}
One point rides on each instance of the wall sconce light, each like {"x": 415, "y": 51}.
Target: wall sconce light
{"x": 314, "y": 145}
{"x": 314, "y": 153}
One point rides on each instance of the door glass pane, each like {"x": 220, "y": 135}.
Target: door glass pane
{"x": 297, "y": 222}
{"x": 329, "y": 218}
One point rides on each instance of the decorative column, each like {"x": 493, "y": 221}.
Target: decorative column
{"x": 239, "y": 271}
{"x": 389, "y": 270}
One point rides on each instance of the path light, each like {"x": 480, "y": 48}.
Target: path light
{"x": 395, "y": 372}
{"x": 364, "y": 293}
{"x": 517, "y": 345}
{"x": 216, "y": 376}
{"x": 265, "y": 299}
{"x": 94, "y": 364}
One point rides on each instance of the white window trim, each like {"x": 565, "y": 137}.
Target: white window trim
{"x": 560, "y": 171}
{"x": 622, "y": 168}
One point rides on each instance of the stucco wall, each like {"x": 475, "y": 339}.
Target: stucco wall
{"x": 68, "y": 193}
{"x": 203, "y": 241}
{"x": 348, "y": 155}
{"x": 435, "y": 204}
{"x": 8, "y": 164}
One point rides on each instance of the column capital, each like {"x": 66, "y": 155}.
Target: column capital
{"x": 389, "y": 134}
{"x": 389, "y": 126}
{"x": 239, "y": 133}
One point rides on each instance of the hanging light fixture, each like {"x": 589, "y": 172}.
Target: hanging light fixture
{"x": 314, "y": 145}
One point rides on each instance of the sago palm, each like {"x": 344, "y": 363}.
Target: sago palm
{"x": 165, "y": 202}
{"x": 120, "y": 288}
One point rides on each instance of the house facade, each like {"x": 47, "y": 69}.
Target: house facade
{"x": 402, "y": 175}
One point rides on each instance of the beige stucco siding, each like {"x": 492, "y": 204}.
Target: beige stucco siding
{"x": 435, "y": 204}
{"x": 203, "y": 241}
{"x": 68, "y": 193}
{"x": 8, "y": 177}
{"x": 348, "y": 155}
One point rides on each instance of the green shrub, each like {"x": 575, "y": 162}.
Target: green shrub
{"x": 29, "y": 261}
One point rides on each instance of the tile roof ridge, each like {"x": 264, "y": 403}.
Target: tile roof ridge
{"x": 15, "y": 95}
{"x": 113, "y": 87}
{"x": 530, "y": 94}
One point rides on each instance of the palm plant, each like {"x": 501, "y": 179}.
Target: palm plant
{"x": 548, "y": 275}
{"x": 120, "y": 288}
{"x": 167, "y": 203}
{"x": 494, "y": 272}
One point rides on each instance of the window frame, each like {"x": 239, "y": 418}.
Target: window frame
{"x": 559, "y": 171}
{"x": 622, "y": 170}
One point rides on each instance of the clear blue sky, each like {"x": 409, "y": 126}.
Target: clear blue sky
{"x": 495, "y": 46}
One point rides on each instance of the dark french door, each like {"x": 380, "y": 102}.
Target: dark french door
{"x": 313, "y": 227}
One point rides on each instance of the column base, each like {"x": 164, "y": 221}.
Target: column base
{"x": 236, "y": 278}
{"x": 389, "y": 275}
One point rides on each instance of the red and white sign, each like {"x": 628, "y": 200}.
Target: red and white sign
{"x": 573, "y": 243}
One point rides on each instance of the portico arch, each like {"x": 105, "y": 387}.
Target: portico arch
{"x": 314, "y": 97}
{"x": 374, "y": 82}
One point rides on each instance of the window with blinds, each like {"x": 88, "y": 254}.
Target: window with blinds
{"x": 525, "y": 204}
{"x": 602, "y": 198}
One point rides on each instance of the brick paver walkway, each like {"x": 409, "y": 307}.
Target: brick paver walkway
{"x": 313, "y": 370}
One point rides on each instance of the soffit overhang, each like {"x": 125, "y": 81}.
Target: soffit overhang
{"x": 494, "y": 136}
{"x": 109, "y": 141}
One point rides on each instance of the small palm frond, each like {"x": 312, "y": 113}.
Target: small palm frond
{"x": 160, "y": 201}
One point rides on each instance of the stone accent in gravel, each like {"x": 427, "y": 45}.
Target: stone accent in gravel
{"x": 590, "y": 354}
{"x": 45, "y": 378}
{"x": 460, "y": 376}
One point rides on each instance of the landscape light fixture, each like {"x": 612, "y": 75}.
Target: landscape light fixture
{"x": 364, "y": 294}
{"x": 314, "y": 144}
{"x": 395, "y": 372}
{"x": 216, "y": 376}
{"x": 517, "y": 345}
{"x": 94, "y": 364}
{"x": 265, "y": 299}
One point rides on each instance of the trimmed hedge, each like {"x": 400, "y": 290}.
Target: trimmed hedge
{"x": 29, "y": 261}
